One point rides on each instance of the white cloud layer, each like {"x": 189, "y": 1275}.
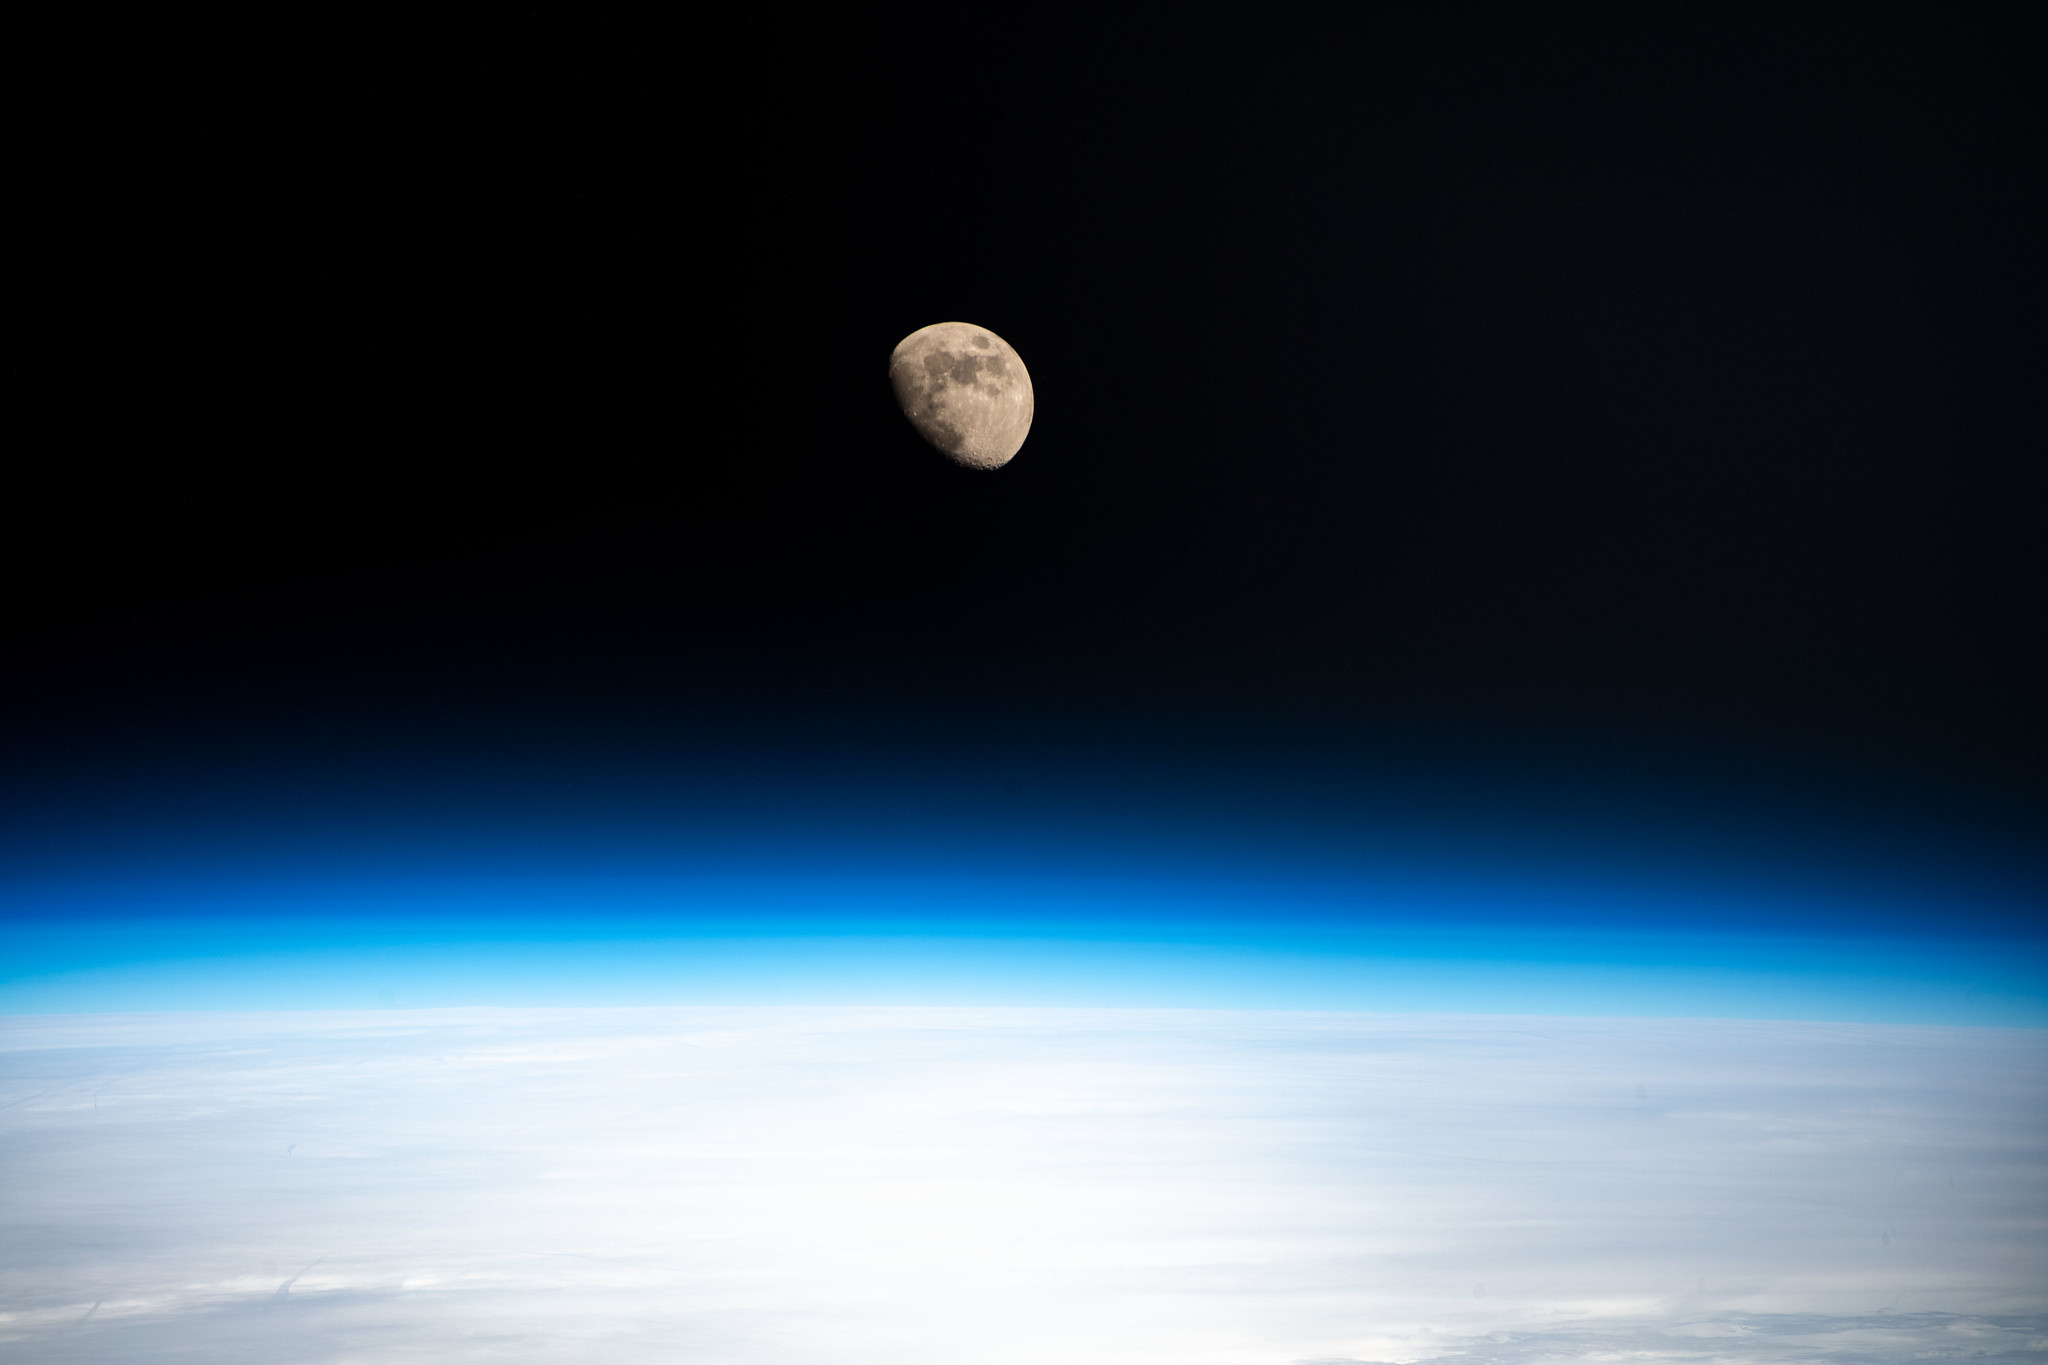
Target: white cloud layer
{"x": 1016, "y": 1187}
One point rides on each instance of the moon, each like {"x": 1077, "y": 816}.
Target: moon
{"x": 965, "y": 390}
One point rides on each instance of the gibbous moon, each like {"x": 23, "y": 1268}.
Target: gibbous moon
{"x": 965, "y": 391}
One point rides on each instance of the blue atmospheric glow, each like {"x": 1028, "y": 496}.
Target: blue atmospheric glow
{"x": 886, "y": 884}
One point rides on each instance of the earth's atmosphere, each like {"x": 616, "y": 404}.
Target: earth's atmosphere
{"x": 1016, "y": 1187}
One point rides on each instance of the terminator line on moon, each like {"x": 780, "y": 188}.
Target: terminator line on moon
{"x": 965, "y": 391}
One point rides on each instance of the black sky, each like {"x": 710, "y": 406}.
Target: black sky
{"x": 1619, "y": 364}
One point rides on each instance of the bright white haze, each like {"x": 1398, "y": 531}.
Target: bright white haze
{"x": 1016, "y": 1187}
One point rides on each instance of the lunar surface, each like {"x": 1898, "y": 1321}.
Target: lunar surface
{"x": 965, "y": 391}
{"x": 730, "y": 1186}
